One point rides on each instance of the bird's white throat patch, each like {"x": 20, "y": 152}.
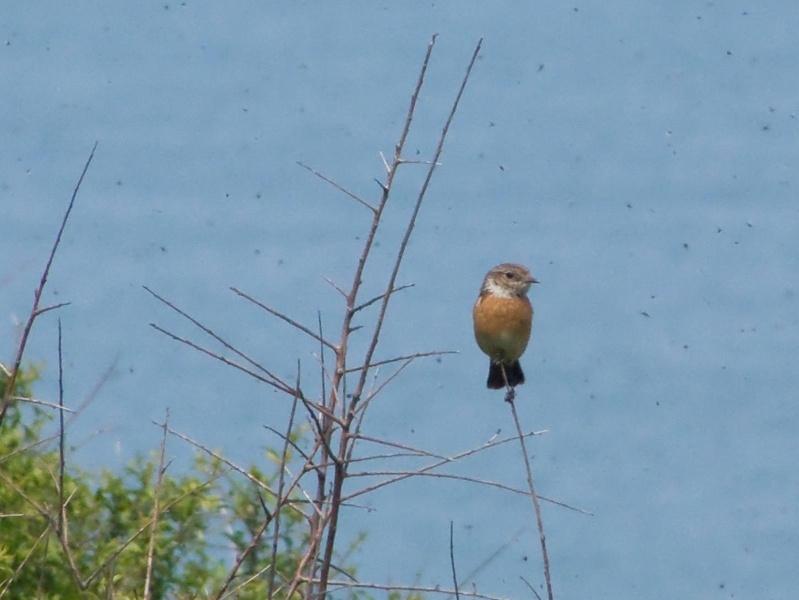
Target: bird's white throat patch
{"x": 498, "y": 290}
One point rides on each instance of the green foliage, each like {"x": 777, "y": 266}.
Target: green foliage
{"x": 206, "y": 519}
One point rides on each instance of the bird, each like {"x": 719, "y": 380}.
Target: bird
{"x": 503, "y": 319}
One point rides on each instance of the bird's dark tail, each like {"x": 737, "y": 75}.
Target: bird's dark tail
{"x": 513, "y": 371}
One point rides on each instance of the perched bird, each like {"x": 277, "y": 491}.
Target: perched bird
{"x": 503, "y": 318}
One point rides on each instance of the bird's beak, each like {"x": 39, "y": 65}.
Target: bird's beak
{"x": 533, "y": 280}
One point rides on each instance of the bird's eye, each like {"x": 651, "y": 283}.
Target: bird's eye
{"x": 508, "y": 274}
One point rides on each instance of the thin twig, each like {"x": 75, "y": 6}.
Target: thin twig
{"x": 532, "y": 589}
{"x": 165, "y": 509}
{"x": 381, "y": 296}
{"x": 415, "y": 451}
{"x": 26, "y": 448}
{"x": 322, "y": 372}
{"x": 156, "y": 511}
{"x": 419, "y": 199}
{"x": 6, "y": 584}
{"x": 255, "y": 576}
{"x": 410, "y": 588}
{"x": 361, "y": 408}
{"x": 240, "y": 470}
{"x": 241, "y": 558}
{"x": 430, "y": 467}
{"x": 285, "y": 318}
{"x": 42, "y": 403}
{"x": 47, "y": 309}
{"x": 280, "y": 489}
{"x": 399, "y": 475}
{"x": 288, "y": 440}
{"x": 210, "y": 332}
{"x": 380, "y": 363}
{"x": 37, "y": 294}
{"x": 534, "y": 496}
{"x": 334, "y": 286}
{"x": 61, "y": 437}
{"x": 95, "y": 391}
{"x": 337, "y": 186}
{"x": 492, "y": 557}
{"x": 452, "y": 560}
{"x": 276, "y": 383}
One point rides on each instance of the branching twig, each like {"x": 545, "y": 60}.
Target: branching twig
{"x": 433, "y": 466}
{"x": 37, "y": 295}
{"x": 274, "y": 382}
{"x": 345, "y": 449}
{"x": 280, "y": 491}
{"x": 399, "y": 475}
{"x": 210, "y": 332}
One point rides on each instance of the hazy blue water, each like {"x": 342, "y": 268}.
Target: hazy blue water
{"x": 641, "y": 157}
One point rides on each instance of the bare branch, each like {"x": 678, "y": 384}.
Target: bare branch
{"x": 465, "y": 453}
{"x": 452, "y": 560}
{"x": 42, "y": 403}
{"x": 214, "y": 335}
{"x": 285, "y": 318}
{"x": 233, "y": 466}
{"x": 385, "y": 163}
{"x": 322, "y": 370}
{"x": 156, "y": 511}
{"x": 400, "y": 475}
{"x": 37, "y": 294}
{"x": 288, "y": 440}
{"x": 381, "y": 296}
{"x": 61, "y": 437}
{"x": 535, "y": 497}
{"x": 401, "y": 358}
{"x": 276, "y": 383}
{"x": 335, "y": 287}
{"x": 7, "y": 583}
{"x": 346, "y": 585}
{"x": 372, "y": 394}
{"x": 41, "y": 311}
{"x": 532, "y": 589}
{"x": 337, "y": 186}
{"x": 104, "y": 565}
{"x": 280, "y": 490}
{"x": 492, "y": 557}
{"x": 415, "y": 451}
{"x": 403, "y": 161}
{"x": 419, "y": 199}
{"x": 93, "y": 393}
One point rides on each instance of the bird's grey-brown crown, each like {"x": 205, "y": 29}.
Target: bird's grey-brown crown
{"x": 508, "y": 280}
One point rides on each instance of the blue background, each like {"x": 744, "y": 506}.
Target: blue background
{"x": 640, "y": 157}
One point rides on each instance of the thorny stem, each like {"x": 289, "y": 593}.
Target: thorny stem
{"x": 340, "y": 467}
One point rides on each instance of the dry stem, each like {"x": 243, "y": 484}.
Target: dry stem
{"x": 37, "y": 296}
{"x": 536, "y": 505}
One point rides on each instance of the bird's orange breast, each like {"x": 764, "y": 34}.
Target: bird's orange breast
{"x": 502, "y": 326}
